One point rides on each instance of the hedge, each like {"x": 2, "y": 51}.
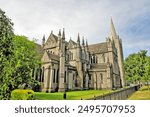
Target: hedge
{"x": 21, "y": 94}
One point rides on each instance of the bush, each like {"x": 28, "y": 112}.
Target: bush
{"x": 21, "y": 94}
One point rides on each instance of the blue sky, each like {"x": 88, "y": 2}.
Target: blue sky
{"x": 90, "y": 18}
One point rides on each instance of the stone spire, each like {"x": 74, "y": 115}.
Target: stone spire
{"x": 83, "y": 44}
{"x": 43, "y": 40}
{"x": 59, "y": 34}
{"x": 86, "y": 46}
{"x": 78, "y": 39}
{"x": 112, "y": 33}
{"x": 63, "y": 34}
{"x": 59, "y": 39}
{"x": 51, "y": 31}
{"x": 86, "y": 43}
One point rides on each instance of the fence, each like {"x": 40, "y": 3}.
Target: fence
{"x": 118, "y": 95}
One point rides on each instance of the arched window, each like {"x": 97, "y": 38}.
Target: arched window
{"x": 71, "y": 56}
{"x": 57, "y": 77}
{"x": 65, "y": 78}
{"x": 42, "y": 75}
{"x": 54, "y": 76}
{"x": 101, "y": 77}
{"x": 95, "y": 59}
{"x": 103, "y": 57}
{"x": 67, "y": 57}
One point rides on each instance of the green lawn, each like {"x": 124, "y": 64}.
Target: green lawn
{"x": 72, "y": 95}
{"x": 142, "y": 94}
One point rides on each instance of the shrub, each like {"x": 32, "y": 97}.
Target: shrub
{"x": 21, "y": 94}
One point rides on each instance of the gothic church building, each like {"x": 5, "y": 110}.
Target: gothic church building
{"x": 79, "y": 65}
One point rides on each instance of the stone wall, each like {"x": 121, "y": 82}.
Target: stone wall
{"x": 118, "y": 95}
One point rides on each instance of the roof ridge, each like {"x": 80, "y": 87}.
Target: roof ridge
{"x": 72, "y": 41}
{"x": 98, "y": 43}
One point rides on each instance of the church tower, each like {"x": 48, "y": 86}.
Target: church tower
{"x": 118, "y": 44}
{"x": 87, "y": 51}
{"x": 78, "y": 49}
{"x": 62, "y": 75}
{"x": 59, "y": 39}
{"x": 79, "y": 63}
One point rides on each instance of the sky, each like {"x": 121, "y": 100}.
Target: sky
{"x": 89, "y": 18}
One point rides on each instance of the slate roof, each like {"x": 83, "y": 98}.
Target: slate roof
{"x": 39, "y": 49}
{"x": 73, "y": 42}
{"x": 98, "y": 48}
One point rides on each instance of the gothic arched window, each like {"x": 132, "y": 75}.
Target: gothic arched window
{"x": 101, "y": 77}
{"x": 71, "y": 56}
{"x": 42, "y": 75}
{"x": 91, "y": 59}
{"x": 95, "y": 59}
{"x": 103, "y": 57}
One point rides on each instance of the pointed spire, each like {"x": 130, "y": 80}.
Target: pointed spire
{"x": 83, "y": 41}
{"x": 86, "y": 46}
{"x": 112, "y": 33}
{"x": 43, "y": 40}
{"x": 51, "y": 31}
{"x": 43, "y": 37}
{"x": 86, "y": 43}
{"x": 63, "y": 34}
{"x": 59, "y": 34}
{"x": 78, "y": 39}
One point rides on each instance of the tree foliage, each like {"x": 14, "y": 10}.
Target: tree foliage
{"x": 137, "y": 67}
{"x": 18, "y": 58}
{"x": 25, "y": 60}
{"x": 6, "y": 53}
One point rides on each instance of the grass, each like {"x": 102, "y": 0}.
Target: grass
{"x": 72, "y": 95}
{"x": 142, "y": 94}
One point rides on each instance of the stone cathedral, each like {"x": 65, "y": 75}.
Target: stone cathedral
{"x": 78, "y": 65}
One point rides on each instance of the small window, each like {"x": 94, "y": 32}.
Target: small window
{"x": 101, "y": 77}
{"x": 103, "y": 56}
{"x": 65, "y": 78}
{"x": 73, "y": 76}
{"x": 89, "y": 76}
{"x": 57, "y": 76}
{"x": 54, "y": 76}
{"x": 95, "y": 59}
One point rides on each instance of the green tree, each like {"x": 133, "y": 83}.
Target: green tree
{"x": 135, "y": 67}
{"x": 142, "y": 64}
{"x": 146, "y": 77}
{"x": 130, "y": 68}
{"x": 6, "y": 53}
{"x": 18, "y": 58}
{"x": 25, "y": 59}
